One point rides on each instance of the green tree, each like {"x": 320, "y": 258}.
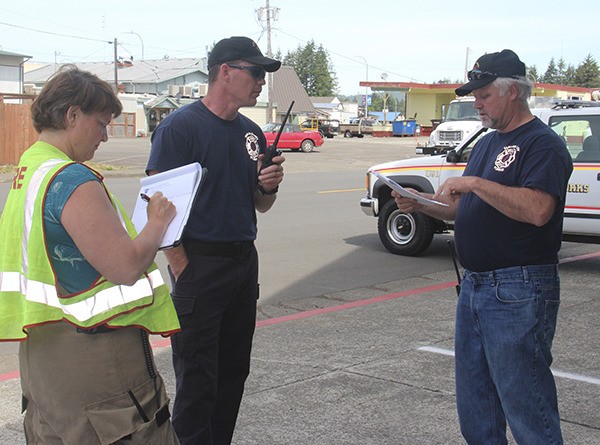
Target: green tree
{"x": 380, "y": 98}
{"x": 447, "y": 81}
{"x": 561, "y": 72}
{"x": 568, "y": 77}
{"x": 313, "y": 66}
{"x": 532, "y": 73}
{"x": 587, "y": 73}
{"x": 551, "y": 74}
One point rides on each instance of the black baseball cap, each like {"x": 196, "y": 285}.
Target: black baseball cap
{"x": 491, "y": 66}
{"x": 240, "y": 48}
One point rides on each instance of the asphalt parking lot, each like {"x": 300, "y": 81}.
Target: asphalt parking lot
{"x": 374, "y": 364}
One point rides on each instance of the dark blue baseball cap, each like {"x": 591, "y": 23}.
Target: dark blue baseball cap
{"x": 240, "y": 48}
{"x": 491, "y": 66}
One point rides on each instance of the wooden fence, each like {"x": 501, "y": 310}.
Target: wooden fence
{"x": 123, "y": 126}
{"x": 17, "y": 132}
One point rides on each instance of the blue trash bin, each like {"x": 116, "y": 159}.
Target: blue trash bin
{"x": 404, "y": 128}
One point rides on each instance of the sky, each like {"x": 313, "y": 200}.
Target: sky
{"x": 400, "y": 41}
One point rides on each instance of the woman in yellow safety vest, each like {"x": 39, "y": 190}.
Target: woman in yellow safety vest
{"x": 78, "y": 285}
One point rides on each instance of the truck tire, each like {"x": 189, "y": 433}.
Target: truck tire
{"x": 401, "y": 233}
{"x": 307, "y": 145}
{"x": 347, "y": 134}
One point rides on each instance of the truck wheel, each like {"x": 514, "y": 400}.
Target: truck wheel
{"x": 347, "y": 134}
{"x": 407, "y": 234}
{"x": 307, "y": 146}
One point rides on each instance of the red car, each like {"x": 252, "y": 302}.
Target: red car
{"x": 293, "y": 137}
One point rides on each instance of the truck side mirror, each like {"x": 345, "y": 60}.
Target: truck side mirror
{"x": 453, "y": 157}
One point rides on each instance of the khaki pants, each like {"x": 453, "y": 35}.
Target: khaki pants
{"x": 91, "y": 389}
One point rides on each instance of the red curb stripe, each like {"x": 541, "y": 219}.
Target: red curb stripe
{"x": 579, "y": 257}
{"x": 9, "y": 376}
{"x": 312, "y": 313}
{"x": 360, "y": 303}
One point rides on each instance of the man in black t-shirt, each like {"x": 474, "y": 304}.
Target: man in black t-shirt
{"x": 508, "y": 208}
{"x": 215, "y": 270}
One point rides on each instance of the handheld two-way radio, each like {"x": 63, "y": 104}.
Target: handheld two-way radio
{"x": 272, "y": 149}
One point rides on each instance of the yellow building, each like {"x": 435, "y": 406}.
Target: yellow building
{"x": 424, "y": 101}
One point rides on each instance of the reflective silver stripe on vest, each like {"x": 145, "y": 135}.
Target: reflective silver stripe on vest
{"x": 37, "y": 178}
{"x": 100, "y": 303}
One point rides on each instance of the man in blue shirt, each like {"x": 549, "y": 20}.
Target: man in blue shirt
{"x": 215, "y": 270}
{"x": 508, "y": 209}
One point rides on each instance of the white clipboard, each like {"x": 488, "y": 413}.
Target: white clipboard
{"x": 407, "y": 194}
{"x": 180, "y": 186}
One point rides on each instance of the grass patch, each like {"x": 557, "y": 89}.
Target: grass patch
{"x": 104, "y": 167}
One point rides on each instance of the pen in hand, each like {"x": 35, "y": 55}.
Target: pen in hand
{"x": 145, "y": 197}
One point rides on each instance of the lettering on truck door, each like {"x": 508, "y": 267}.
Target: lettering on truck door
{"x": 582, "y": 136}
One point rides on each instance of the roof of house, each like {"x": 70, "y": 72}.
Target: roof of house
{"x": 325, "y": 100}
{"x": 6, "y": 53}
{"x": 325, "y": 105}
{"x": 143, "y": 71}
{"x": 286, "y": 84}
{"x": 287, "y": 87}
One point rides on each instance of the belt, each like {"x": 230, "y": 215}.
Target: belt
{"x": 233, "y": 249}
{"x": 101, "y": 329}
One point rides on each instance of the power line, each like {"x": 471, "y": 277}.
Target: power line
{"x": 55, "y": 33}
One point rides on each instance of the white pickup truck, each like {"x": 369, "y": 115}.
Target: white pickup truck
{"x": 411, "y": 234}
{"x": 459, "y": 120}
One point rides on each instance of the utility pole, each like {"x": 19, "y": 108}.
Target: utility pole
{"x": 270, "y": 15}
{"x": 467, "y": 64}
{"x": 116, "y": 66}
{"x": 270, "y": 75}
{"x": 366, "y": 88}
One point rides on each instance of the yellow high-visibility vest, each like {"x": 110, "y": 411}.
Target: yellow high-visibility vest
{"x": 28, "y": 286}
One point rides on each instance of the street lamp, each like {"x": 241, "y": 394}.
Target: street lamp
{"x": 141, "y": 40}
{"x": 366, "y": 88}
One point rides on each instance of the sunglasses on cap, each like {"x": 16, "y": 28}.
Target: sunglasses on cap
{"x": 258, "y": 72}
{"x": 477, "y": 74}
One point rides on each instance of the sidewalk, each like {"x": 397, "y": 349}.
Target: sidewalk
{"x": 374, "y": 366}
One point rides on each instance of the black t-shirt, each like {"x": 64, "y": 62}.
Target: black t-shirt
{"x": 224, "y": 210}
{"x": 530, "y": 156}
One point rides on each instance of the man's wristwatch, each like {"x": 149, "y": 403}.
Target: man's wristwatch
{"x": 270, "y": 192}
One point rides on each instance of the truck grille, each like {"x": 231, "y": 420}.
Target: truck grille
{"x": 450, "y": 136}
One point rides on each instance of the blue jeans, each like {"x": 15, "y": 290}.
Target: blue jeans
{"x": 505, "y": 324}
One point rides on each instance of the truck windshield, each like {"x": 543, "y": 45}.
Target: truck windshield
{"x": 462, "y": 111}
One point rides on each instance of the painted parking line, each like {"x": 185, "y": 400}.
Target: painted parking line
{"x": 340, "y": 191}
{"x": 557, "y": 373}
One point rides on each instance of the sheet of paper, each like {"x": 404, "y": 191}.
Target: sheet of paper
{"x": 406, "y": 193}
{"x": 180, "y": 186}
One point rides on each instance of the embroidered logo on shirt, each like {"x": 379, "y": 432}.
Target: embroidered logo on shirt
{"x": 252, "y": 145}
{"x": 507, "y": 157}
